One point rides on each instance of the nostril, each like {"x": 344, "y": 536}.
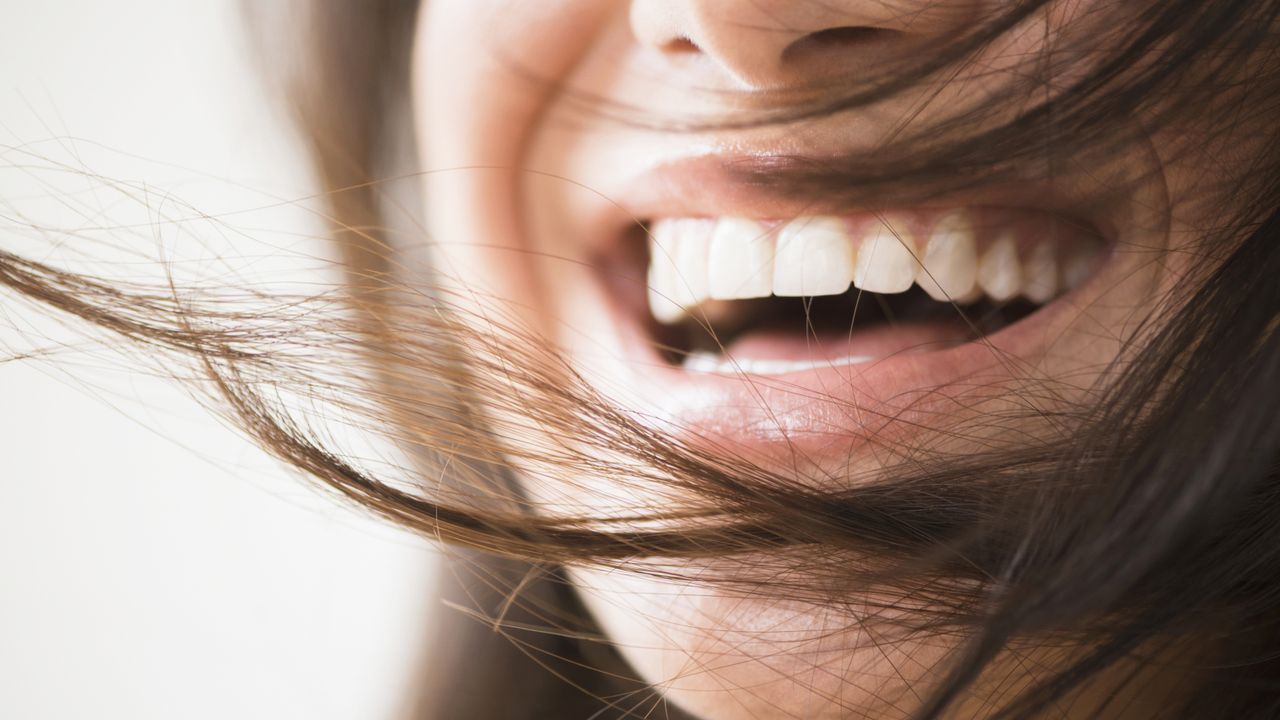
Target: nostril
{"x": 823, "y": 44}
{"x": 846, "y": 35}
{"x": 681, "y": 45}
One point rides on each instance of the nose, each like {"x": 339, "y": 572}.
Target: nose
{"x": 773, "y": 44}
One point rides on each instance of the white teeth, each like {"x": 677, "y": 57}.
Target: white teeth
{"x": 702, "y": 362}
{"x": 999, "y": 272}
{"x": 694, "y": 260}
{"x": 710, "y": 363}
{"x": 814, "y": 257}
{"x": 1040, "y": 281}
{"x": 678, "y": 267}
{"x": 663, "y": 274}
{"x": 690, "y": 254}
{"x": 740, "y": 263}
{"x": 950, "y": 260}
{"x": 886, "y": 259}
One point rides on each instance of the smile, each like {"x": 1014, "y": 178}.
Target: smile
{"x": 725, "y": 314}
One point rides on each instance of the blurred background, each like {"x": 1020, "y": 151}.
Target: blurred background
{"x": 152, "y": 563}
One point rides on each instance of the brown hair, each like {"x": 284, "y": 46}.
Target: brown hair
{"x": 1152, "y": 519}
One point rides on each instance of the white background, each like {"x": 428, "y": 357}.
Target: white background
{"x": 152, "y": 563}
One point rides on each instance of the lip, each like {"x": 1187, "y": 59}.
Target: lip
{"x": 812, "y": 409}
{"x": 711, "y": 184}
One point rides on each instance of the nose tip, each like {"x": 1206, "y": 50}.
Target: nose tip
{"x": 774, "y": 44}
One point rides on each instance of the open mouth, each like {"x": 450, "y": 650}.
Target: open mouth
{"x": 734, "y": 296}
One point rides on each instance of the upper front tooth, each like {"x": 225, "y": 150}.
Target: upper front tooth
{"x": 1040, "y": 273}
{"x": 814, "y": 257}
{"x": 740, "y": 263}
{"x": 999, "y": 272}
{"x": 691, "y": 258}
{"x": 886, "y": 259}
{"x": 950, "y": 271}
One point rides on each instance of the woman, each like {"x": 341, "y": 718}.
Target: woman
{"x": 773, "y": 359}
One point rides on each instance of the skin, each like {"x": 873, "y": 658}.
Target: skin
{"x": 523, "y": 188}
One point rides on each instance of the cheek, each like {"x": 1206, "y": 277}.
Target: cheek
{"x": 482, "y": 73}
{"x": 482, "y": 69}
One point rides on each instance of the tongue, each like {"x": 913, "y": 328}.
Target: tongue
{"x": 877, "y": 341}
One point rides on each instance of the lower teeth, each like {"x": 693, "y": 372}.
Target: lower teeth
{"x": 699, "y": 346}
{"x": 709, "y": 363}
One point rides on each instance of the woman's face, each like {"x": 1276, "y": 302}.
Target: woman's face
{"x": 535, "y": 124}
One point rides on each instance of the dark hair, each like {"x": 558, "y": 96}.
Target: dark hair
{"x": 1147, "y": 528}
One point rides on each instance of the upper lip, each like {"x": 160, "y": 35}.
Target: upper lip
{"x": 714, "y": 184}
